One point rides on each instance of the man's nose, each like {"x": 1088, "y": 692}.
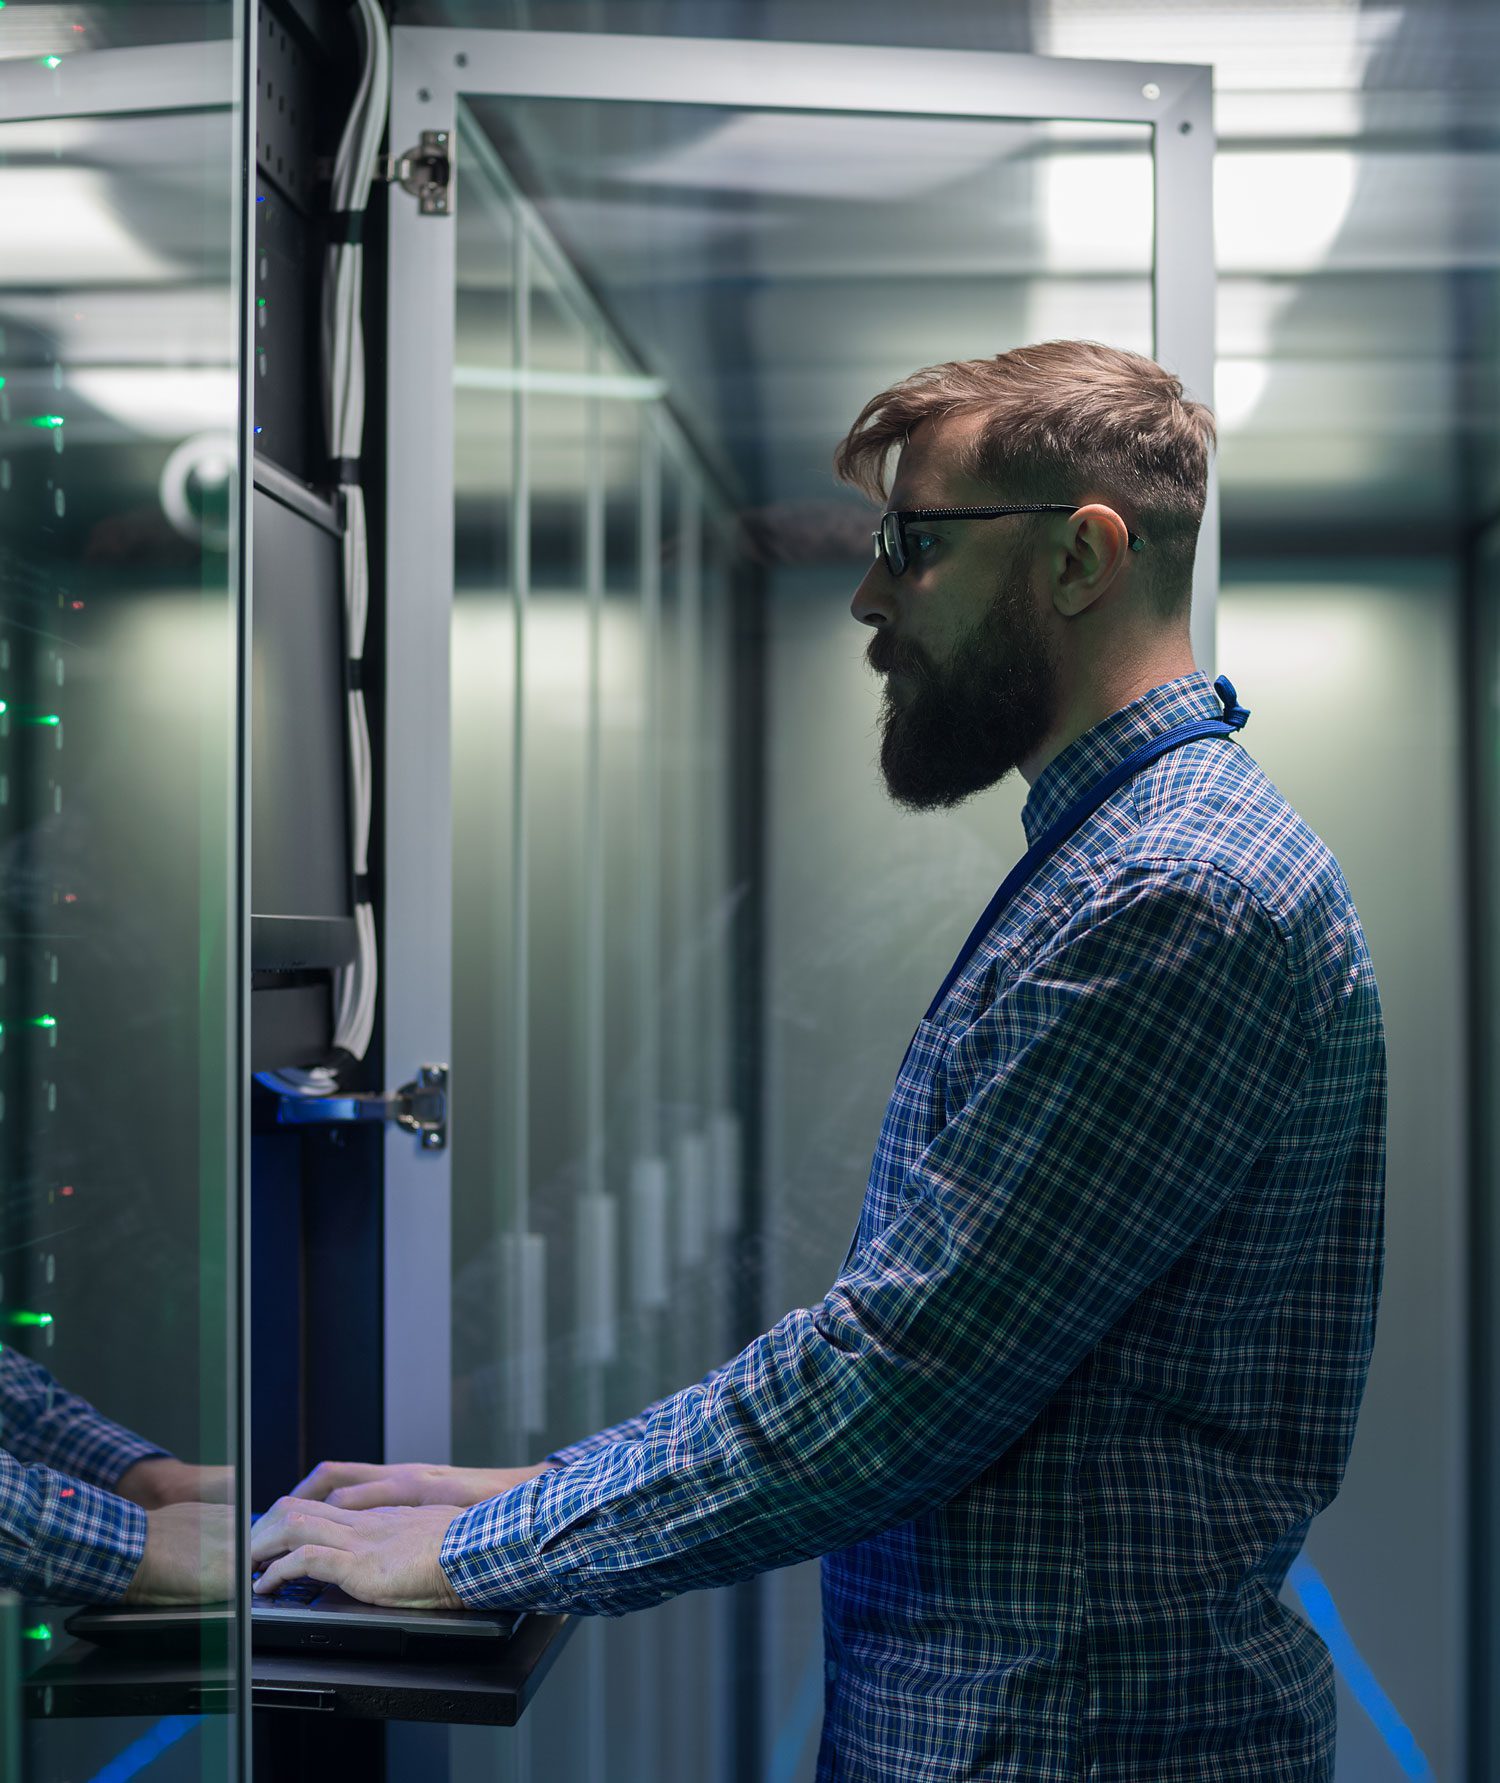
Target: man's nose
{"x": 872, "y": 603}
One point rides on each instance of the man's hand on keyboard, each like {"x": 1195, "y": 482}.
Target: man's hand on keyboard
{"x": 360, "y": 1485}
{"x": 385, "y": 1556}
{"x": 189, "y": 1556}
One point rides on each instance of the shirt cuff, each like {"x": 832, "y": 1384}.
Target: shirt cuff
{"x": 99, "y": 1452}
{"x": 490, "y": 1557}
{"x": 85, "y": 1545}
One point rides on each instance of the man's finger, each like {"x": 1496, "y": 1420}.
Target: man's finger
{"x": 369, "y": 1495}
{"x": 291, "y": 1521}
{"x": 330, "y": 1565}
{"x": 328, "y": 1474}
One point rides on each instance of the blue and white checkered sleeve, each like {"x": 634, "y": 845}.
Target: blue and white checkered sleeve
{"x": 62, "y": 1541}
{"x": 627, "y": 1431}
{"x": 42, "y": 1423}
{"x": 1115, "y": 1095}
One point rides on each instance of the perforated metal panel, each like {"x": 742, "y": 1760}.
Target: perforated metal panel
{"x": 285, "y": 72}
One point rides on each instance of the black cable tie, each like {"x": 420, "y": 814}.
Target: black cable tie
{"x": 354, "y": 675}
{"x": 362, "y": 889}
{"x": 344, "y": 470}
{"x": 346, "y": 227}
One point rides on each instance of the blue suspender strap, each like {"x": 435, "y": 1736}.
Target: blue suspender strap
{"x": 1053, "y": 837}
{"x": 1057, "y": 833}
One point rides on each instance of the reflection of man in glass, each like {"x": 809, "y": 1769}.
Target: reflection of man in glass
{"x": 1061, "y": 1423}
{"x": 90, "y": 1513}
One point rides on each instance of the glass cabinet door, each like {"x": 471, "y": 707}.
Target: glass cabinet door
{"x": 689, "y": 935}
{"x": 120, "y": 864}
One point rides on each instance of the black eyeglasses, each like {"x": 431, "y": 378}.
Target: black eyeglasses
{"x": 890, "y": 538}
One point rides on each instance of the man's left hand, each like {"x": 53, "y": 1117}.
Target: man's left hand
{"x": 384, "y": 1556}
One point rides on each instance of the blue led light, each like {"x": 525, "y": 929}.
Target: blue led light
{"x": 150, "y": 1746}
{"x": 1319, "y": 1606}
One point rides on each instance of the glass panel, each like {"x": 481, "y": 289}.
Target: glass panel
{"x": 120, "y": 306}
{"x": 726, "y": 933}
{"x": 487, "y": 1208}
{"x": 1485, "y": 955}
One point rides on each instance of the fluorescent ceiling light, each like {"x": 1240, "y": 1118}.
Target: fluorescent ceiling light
{"x": 1096, "y": 212}
{"x": 1238, "y": 384}
{"x": 559, "y": 383}
{"x": 1280, "y": 211}
{"x": 60, "y": 229}
{"x": 846, "y": 156}
{"x": 1337, "y": 117}
{"x": 161, "y": 402}
{"x": 186, "y": 325}
{"x": 1316, "y": 46}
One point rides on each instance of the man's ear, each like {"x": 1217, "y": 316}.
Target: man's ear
{"x": 1080, "y": 581}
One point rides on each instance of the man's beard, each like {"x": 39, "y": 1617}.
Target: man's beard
{"x": 955, "y": 729}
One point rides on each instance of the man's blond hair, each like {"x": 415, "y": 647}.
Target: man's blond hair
{"x": 1064, "y": 420}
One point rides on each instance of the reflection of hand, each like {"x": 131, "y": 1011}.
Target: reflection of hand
{"x": 189, "y": 1556}
{"x": 361, "y": 1485}
{"x": 387, "y": 1556}
{"x": 162, "y": 1479}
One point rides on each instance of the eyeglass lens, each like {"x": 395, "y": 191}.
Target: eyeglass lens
{"x": 891, "y": 539}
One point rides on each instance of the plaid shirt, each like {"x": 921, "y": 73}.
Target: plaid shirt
{"x": 64, "y": 1537}
{"x": 1061, "y": 1423}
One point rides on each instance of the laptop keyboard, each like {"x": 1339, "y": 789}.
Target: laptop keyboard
{"x": 295, "y": 1594}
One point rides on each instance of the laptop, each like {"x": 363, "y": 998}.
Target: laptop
{"x": 305, "y": 1615}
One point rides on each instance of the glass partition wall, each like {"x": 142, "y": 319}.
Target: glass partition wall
{"x": 595, "y": 1164}
{"x": 120, "y": 874}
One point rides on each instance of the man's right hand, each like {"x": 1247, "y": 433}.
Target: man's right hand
{"x": 189, "y": 1556}
{"x": 363, "y": 1485}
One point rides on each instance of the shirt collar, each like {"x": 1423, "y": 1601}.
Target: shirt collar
{"x": 1087, "y": 759}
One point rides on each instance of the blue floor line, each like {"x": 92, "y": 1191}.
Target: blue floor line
{"x": 800, "y": 1719}
{"x": 1318, "y": 1604}
{"x": 149, "y": 1747}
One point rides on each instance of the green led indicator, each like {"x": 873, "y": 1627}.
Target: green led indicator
{"x": 2, "y": 380}
{"x": 29, "y": 1318}
{"x": 260, "y": 303}
{"x": 3, "y": 706}
{"x": 44, "y": 1021}
{"x": 44, "y": 420}
{"x": 51, "y": 61}
{"x": 43, "y": 718}
{"x": 42, "y": 1632}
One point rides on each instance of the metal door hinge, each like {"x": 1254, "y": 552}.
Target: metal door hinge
{"x": 420, "y": 1107}
{"x": 425, "y": 171}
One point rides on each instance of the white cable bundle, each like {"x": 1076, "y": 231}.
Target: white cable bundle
{"x": 343, "y": 365}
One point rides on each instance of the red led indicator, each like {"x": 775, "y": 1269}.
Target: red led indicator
{"x": 66, "y": 1189}
{"x": 67, "y": 1492}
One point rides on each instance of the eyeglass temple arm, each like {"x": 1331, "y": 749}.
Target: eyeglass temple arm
{"x": 1137, "y": 543}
